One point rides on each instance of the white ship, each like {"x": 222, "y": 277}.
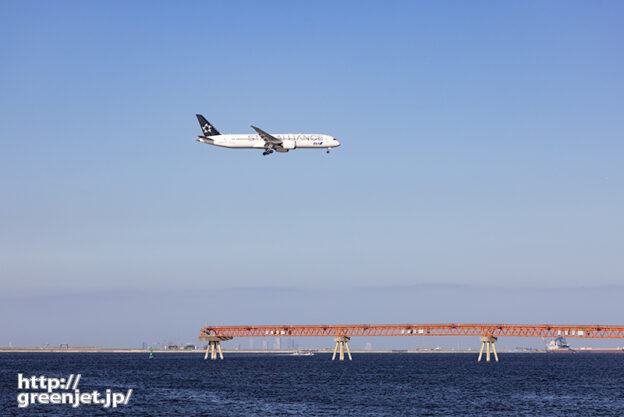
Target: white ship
{"x": 559, "y": 345}
{"x": 302, "y": 353}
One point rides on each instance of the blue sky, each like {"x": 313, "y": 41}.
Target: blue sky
{"x": 482, "y": 148}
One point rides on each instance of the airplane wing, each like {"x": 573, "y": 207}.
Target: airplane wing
{"x": 269, "y": 139}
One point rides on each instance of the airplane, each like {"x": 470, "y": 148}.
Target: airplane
{"x": 264, "y": 140}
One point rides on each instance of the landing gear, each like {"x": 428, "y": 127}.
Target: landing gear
{"x": 328, "y": 149}
{"x": 267, "y": 152}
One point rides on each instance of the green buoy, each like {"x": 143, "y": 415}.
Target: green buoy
{"x": 151, "y": 355}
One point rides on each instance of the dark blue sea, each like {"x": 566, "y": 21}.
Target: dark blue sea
{"x": 370, "y": 385}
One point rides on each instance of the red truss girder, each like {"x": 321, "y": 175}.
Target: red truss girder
{"x": 542, "y": 330}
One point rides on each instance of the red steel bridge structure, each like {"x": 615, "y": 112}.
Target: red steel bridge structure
{"x": 342, "y": 333}
{"x": 451, "y": 329}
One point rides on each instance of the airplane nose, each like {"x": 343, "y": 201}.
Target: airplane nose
{"x": 336, "y": 143}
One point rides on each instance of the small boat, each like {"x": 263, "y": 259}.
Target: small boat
{"x": 302, "y": 353}
{"x": 600, "y": 350}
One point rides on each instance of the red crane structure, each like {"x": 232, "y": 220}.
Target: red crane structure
{"x": 342, "y": 333}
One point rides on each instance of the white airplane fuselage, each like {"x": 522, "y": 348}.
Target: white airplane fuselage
{"x": 289, "y": 141}
{"x": 270, "y": 143}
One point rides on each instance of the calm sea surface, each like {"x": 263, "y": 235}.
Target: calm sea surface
{"x": 370, "y": 385}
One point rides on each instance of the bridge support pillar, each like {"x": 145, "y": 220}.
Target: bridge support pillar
{"x": 342, "y": 342}
{"x": 488, "y": 342}
{"x": 214, "y": 346}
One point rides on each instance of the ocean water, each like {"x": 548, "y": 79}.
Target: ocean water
{"x": 370, "y": 385}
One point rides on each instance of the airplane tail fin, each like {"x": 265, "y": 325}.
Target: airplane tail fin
{"x": 206, "y": 127}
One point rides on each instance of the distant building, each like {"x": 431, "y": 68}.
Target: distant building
{"x": 290, "y": 343}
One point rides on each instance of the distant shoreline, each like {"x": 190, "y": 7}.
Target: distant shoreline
{"x": 89, "y": 349}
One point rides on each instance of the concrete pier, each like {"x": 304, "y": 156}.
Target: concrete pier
{"x": 342, "y": 342}
{"x": 213, "y": 346}
{"x": 488, "y": 341}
